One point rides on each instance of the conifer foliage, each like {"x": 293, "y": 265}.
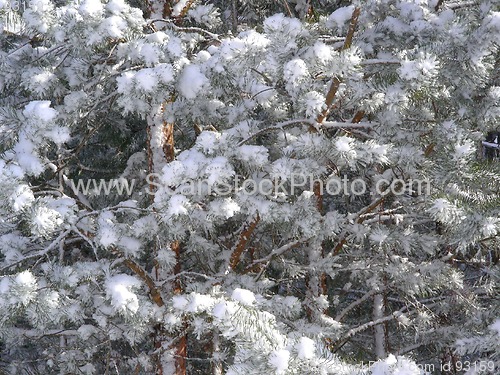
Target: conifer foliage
{"x": 249, "y": 187}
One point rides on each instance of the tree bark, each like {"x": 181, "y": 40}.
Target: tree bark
{"x": 379, "y": 329}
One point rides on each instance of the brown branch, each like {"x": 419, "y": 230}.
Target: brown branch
{"x": 186, "y": 9}
{"x": 139, "y": 271}
{"x": 168, "y": 135}
{"x": 168, "y": 141}
{"x": 330, "y": 96}
{"x": 318, "y": 193}
{"x": 242, "y": 243}
{"x": 180, "y": 348}
{"x": 143, "y": 275}
{"x": 429, "y": 149}
{"x": 181, "y": 355}
{"x": 175, "y": 246}
{"x": 168, "y": 146}
{"x": 167, "y": 9}
{"x": 289, "y": 11}
{"x": 234, "y": 16}
{"x": 358, "y": 117}
{"x": 332, "y": 92}
{"x": 317, "y": 190}
{"x": 352, "y": 28}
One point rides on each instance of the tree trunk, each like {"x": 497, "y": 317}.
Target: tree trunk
{"x": 216, "y": 362}
{"x": 379, "y": 329}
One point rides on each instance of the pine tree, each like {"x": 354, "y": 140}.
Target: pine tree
{"x": 289, "y": 193}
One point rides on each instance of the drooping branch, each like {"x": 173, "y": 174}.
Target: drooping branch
{"x": 143, "y": 275}
{"x": 40, "y": 253}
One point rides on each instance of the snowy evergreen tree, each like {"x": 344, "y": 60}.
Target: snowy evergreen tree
{"x": 178, "y": 197}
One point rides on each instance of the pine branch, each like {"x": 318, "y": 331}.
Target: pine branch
{"x": 149, "y": 152}
{"x": 363, "y": 327}
{"x": 438, "y": 5}
{"x": 168, "y": 141}
{"x": 197, "y": 30}
{"x": 274, "y": 254}
{"x": 354, "y": 124}
{"x": 320, "y": 121}
{"x": 360, "y": 217}
{"x": 330, "y": 96}
{"x": 40, "y": 253}
{"x": 354, "y": 304}
{"x": 279, "y": 126}
{"x": 234, "y": 16}
{"x": 312, "y": 124}
{"x": 319, "y": 196}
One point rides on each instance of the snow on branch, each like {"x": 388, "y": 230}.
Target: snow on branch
{"x": 198, "y": 30}
{"x": 491, "y": 145}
